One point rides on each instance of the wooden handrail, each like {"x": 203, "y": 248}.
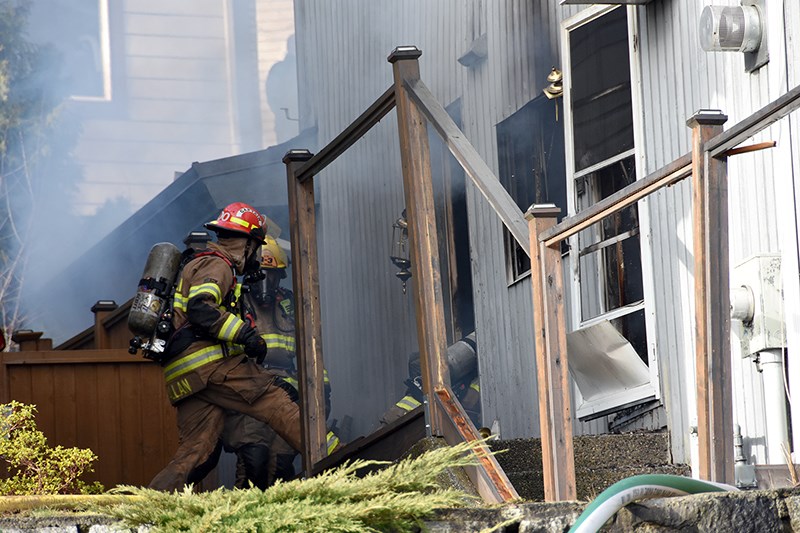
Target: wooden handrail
{"x": 758, "y": 121}
{"x": 667, "y": 175}
{"x": 488, "y": 476}
{"x": 349, "y": 136}
{"x": 473, "y": 164}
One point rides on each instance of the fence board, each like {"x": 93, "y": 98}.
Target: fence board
{"x": 106, "y": 400}
{"x": 108, "y": 408}
{"x": 87, "y": 427}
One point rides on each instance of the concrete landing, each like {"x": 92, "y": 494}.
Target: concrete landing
{"x": 600, "y": 461}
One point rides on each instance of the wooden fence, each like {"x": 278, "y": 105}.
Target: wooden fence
{"x": 104, "y": 399}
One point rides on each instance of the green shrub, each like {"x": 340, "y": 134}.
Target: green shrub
{"x": 396, "y": 498}
{"x": 34, "y": 467}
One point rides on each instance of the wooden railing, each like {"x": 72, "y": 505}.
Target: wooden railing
{"x": 443, "y": 413}
{"x": 540, "y": 236}
{"x": 707, "y": 166}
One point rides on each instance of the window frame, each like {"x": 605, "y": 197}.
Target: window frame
{"x": 104, "y": 37}
{"x": 537, "y": 107}
{"x": 632, "y": 396}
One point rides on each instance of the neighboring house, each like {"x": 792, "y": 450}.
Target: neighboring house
{"x": 632, "y": 75}
{"x": 157, "y": 84}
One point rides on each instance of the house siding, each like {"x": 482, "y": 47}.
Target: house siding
{"x": 678, "y": 78}
{"x": 342, "y": 52}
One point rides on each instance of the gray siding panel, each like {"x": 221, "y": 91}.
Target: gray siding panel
{"x": 342, "y": 52}
{"x": 679, "y": 78}
{"x": 366, "y": 208}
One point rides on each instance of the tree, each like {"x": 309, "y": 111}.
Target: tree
{"x": 31, "y": 105}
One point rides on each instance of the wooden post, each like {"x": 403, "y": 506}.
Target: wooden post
{"x": 712, "y": 301}
{"x": 418, "y": 185}
{"x": 305, "y": 274}
{"x": 101, "y": 309}
{"x": 31, "y": 341}
{"x": 555, "y": 413}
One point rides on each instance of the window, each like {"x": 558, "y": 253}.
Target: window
{"x": 530, "y": 145}
{"x": 608, "y": 278}
{"x": 79, "y": 31}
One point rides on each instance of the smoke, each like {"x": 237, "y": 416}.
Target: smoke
{"x": 144, "y": 95}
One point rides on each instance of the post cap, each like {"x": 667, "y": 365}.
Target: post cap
{"x": 196, "y": 237}
{"x": 297, "y": 155}
{"x": 104, "y": 305}
{"x": 22, "y": 335}
{"x": 542, "y": 211}
{"x": 404, "y": 52}
{"x": 707, "y": 117}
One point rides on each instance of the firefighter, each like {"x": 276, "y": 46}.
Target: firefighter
{"x": 462, "y": 361}
{"x": 214, "y": 354}
{"x": 263, "y": 456}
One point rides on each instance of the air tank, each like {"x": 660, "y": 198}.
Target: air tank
{"x": 158, "y": 277}
{"x": 462, "y": 359}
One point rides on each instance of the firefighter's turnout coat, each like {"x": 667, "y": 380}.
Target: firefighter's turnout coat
{"x": 206, "y": 319}
{"x": 207, "y": 373}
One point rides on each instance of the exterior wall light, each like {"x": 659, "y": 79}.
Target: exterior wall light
{"x": 736, "y": 29}
{"x": 400, "y": 253}
{"x": 556, "y": 88}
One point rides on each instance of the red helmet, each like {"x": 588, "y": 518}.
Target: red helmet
{"x": 241, "y": 218}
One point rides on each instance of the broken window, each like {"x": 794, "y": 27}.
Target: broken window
{"x": 609, "y": 252}
{"x": 610, "y": 355}
{"x": 610, "y": 270}
{"x": 530, "y": 146}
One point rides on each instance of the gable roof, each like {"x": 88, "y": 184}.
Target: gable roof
{"x": 110, "y": 270}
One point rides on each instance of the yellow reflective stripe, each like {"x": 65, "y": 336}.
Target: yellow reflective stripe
{"x": 180, "y": 302}
{"x": 194, "y": 360}
{"x": 276, "y": 340}
{"x": 235, "y": 349}
{"x": 333, "y": 442}
{"x": 242, "y": 222}
{"x": 408, "y": 403}
{"x": 475, "y": 385}
{"x": 230, "y": 328}
{"x": 292, "y": 382}
{"x": 206, "y": 288}
{"x": 325, "y": 376}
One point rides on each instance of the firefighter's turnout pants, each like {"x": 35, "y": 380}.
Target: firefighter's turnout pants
{"x": 238, "y": 384}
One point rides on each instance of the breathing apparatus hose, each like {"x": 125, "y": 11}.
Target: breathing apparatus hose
{"x": 636, "y": 488}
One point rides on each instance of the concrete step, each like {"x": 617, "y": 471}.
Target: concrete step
{"x": 600, "y": 461}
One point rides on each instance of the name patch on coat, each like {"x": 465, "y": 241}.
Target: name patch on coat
{"x": 185, "y": 386}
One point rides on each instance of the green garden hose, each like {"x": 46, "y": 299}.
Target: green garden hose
{"x": 635, "y": 488}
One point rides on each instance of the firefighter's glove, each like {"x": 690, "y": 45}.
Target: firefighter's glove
{"x": 254, "y": 345}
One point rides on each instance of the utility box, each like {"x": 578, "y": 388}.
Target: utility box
{"x": 757, "y": 303}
